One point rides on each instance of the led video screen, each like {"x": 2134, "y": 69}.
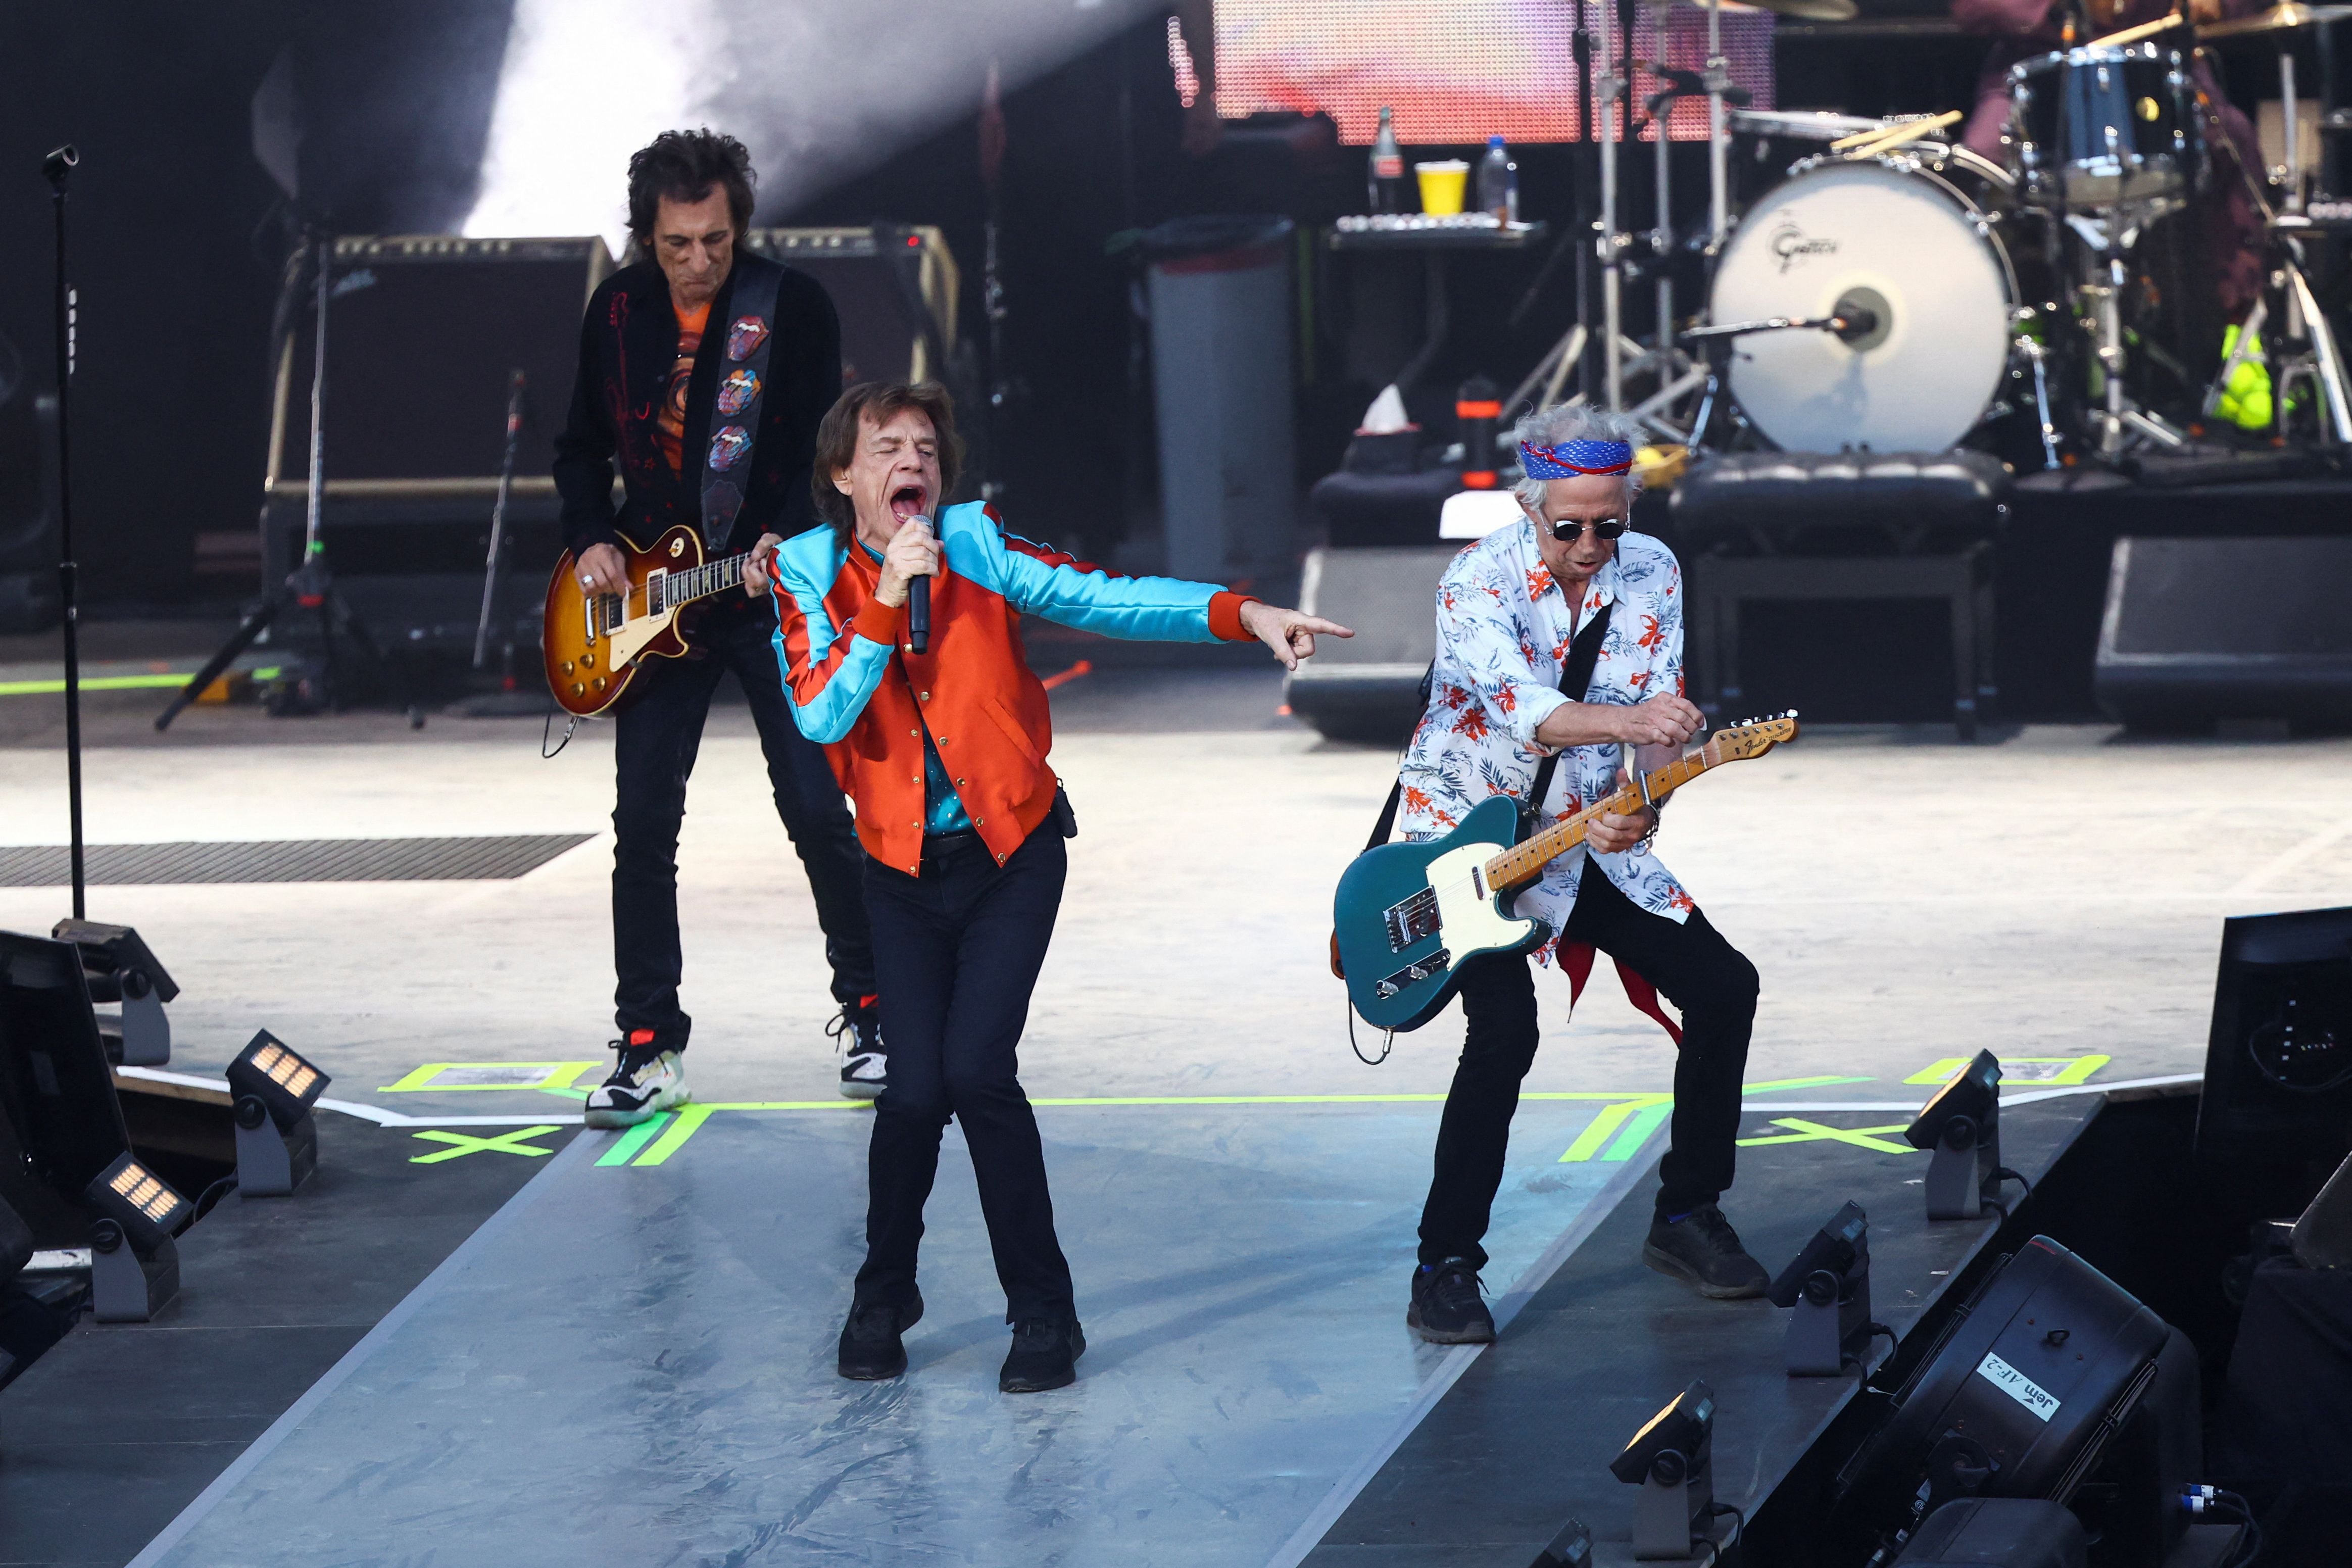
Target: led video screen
{"x": 1461, "y": 72}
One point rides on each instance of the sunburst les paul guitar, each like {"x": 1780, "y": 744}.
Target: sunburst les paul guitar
{"x": 596, "y": 644}
{"x": 1407, "y": 917}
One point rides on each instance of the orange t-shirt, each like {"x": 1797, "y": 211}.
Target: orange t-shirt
{"x": 669, "y": 426}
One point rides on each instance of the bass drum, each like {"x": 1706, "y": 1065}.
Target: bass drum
{"x": 1906, "y": 245}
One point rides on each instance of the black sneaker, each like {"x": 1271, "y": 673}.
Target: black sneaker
{"x": 857, "y": 1031}
{"x": 1045, "y": 1354}
{"x": 1702, "y": 1250}
{"x": 871, "y": 1346}
{"x": 647, "y": 1080}
{"x": 1448, "y": 1306}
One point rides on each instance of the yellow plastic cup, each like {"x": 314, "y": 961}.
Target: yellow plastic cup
{"x": 1441, "y": 186}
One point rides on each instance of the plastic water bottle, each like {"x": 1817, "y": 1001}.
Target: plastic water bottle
{"x": 1387, "y": 192}
{"x": 1498, "y": 184}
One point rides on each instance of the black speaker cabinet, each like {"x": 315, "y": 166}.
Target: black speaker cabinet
{"x": 1367, "y": 687}
{"x": 2203, "y": 629}
{"x": 2023, "y": 1392}
{"x": 423, "y": 333}
{"x": 894, "y": 288}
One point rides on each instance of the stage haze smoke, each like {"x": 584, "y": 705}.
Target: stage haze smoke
{"x": 819, "y": 93}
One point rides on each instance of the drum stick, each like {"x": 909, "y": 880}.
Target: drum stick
{"x": 1910, "y": 130}
{"x": 2134, "y": 35}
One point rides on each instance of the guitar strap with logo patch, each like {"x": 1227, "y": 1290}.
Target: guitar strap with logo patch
{"x": 741, "y": 397}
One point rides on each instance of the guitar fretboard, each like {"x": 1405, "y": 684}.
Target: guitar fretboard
{"x": 1524, "y": 863}
{"x": 667, "y": 591}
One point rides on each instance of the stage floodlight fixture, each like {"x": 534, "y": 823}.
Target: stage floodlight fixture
{"x": 134, "y": 1269}
{"x": 118, "y": 966}
{"x": 276, "y": 1137}
{"x": 274, "y": 1073}
{"x": 143, "y": 1204}
{"x": 1668, "y": 1459}
{"x": 1961, "y": 1123}
{"x": 1828, "y": 1285}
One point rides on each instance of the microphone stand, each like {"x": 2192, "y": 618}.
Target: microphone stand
{"x": 57, "y": 166}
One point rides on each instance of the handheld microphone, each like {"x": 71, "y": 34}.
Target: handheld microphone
{"x": 919, "y": 605}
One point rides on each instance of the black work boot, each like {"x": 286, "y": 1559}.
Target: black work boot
{"x": 1448, "y": 1306}
{"x": 871, "y": 1346}
{"x": 1702, "y": 1250}
{"x": 1045, "y": 1354}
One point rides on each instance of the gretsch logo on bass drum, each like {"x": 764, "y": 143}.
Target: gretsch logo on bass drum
{"x": 1791, "y": 245}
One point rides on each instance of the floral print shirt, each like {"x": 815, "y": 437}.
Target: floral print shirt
{"x": 1503, "y": 632}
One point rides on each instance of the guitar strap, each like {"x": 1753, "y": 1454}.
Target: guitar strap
{"x": 741, "y": 395}
{"x": 1575, "y": 681}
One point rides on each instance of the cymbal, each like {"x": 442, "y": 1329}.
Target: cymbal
{"x": 2278, "y": 18}
{"x": 1805, "y": 10}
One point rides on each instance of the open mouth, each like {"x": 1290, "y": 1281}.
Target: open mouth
{"x": 907, "y": 501}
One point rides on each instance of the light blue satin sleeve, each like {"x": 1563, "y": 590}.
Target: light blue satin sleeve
{"x": 1140, "y": 609}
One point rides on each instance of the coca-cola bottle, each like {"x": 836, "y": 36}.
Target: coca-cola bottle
{"x": 1387, "y": 192}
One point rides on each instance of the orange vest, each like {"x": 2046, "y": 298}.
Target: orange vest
{"x": 857, "y": 687}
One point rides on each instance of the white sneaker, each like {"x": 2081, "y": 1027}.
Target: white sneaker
{"x": 865, "y": 1068}
{"x": 642, "y": 1087}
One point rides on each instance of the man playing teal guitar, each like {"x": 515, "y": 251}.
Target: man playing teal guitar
{"x": 1509, "y": 612}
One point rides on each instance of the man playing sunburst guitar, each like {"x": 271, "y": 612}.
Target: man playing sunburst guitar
{"x": 1509, "y": 612}
{"x": 704, "y": 375}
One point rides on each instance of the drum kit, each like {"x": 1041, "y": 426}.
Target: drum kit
{"x": 1897, "y": 291}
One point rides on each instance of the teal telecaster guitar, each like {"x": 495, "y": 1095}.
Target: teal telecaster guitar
{"x": 1408, "y": 916}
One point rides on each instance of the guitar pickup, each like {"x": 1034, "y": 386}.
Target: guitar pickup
{"x": 1414, "y": 973}
{"x": 1412, "y": 921}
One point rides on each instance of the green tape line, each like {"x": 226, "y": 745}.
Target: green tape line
{"x": 625, "y": 1148}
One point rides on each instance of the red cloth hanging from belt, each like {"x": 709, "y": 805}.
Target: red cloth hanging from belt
{"x": 1576, "y": 958}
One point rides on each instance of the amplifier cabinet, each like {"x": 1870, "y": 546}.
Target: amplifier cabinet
{"x": 2202, "y": 629}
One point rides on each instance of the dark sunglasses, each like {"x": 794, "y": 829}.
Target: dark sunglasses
{"x": 1568, "y": 528}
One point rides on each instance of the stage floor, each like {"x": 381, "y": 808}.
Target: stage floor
{"x": 647, "y": 1347}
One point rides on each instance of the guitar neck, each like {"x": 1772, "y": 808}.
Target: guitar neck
{"x": 1523, "y": 863}
{"x": 684, "y": 587}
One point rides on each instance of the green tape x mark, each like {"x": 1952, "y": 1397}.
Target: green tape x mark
{"x": 464, "y": 1144}
{"x": 1803, "y": 1132}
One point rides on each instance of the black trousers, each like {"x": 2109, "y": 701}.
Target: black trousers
{"x": 657, "y": 735}
{"x": 1691, "y": 965}
{"x": 959, "y": 949}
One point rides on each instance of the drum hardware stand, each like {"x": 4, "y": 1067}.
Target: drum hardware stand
{"x": 2030, "y": 349}
{"x": 2123, "y": 419}
{"x": 311, "y": 584}
{"x": 2306, "y": 351}
{"x": 1609, "y": 88}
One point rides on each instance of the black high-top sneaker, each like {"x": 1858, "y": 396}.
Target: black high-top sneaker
{"x": 647, "y": 1080}
{"x": 857, "y": 1031}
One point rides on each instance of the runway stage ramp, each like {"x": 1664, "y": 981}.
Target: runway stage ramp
{"x": 633, "y": 1362}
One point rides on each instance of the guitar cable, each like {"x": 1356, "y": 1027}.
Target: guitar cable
{"x": 1388, "y": 1039}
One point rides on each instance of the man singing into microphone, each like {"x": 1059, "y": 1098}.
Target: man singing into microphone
{"x": 943, "y": 750}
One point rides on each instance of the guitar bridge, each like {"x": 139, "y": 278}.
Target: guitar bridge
{"x": 1413, "y": 920}
{"x": 1413, "y": 974}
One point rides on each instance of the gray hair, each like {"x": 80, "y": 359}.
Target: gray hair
{"x": 1573, "y": 422}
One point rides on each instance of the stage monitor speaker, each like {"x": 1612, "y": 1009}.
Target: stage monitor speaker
{"x": 1367, "y": 687}
{"x": 2278, "y": 1053}
{"x": 60, "y": 1124}
{"x": 2197, "y": 630}
{"x": 893, "y": 286}
{"x": 1998, "y": 1532}
{"x": 2021, "y": 1393}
